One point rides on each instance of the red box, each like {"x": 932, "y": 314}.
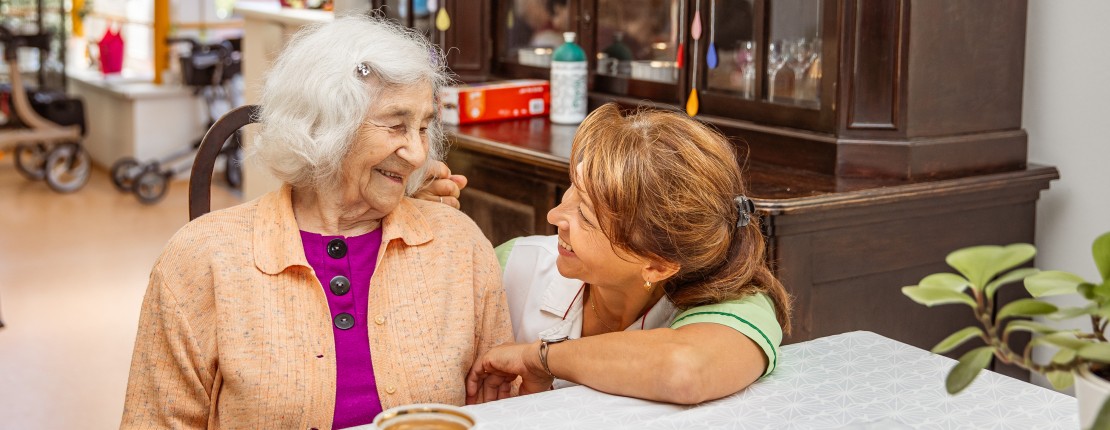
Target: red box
{"x": 492, "y": 101}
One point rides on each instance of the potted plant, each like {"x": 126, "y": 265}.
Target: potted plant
{"x": 1080, "y": 355}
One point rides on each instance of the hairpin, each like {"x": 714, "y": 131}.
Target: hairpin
{"x": 363, "y": 69}
{"x": 744, "y": 209}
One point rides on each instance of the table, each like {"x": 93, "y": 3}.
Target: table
{"x": 856, "y": 380}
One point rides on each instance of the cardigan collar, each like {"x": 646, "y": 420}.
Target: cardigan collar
{"x": 277, "y": 239}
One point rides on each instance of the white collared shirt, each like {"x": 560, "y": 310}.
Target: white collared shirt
{"x": 544, "y": 304}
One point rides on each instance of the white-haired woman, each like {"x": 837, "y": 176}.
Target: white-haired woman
{"x": 322, "y": 303}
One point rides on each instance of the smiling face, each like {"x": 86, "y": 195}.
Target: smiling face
{"x": 390, "y": 144}
{"x": 585, "y": 253}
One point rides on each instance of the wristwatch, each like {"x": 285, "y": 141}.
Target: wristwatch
{"x": 545, "y": 342}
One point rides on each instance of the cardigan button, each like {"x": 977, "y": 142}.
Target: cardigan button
{"x": 340, "y": 285}
{"x": 380, "y": 319}
{"x": 337, "y": 248}
{"x": 344, "y": 321}
{"x": 390, "y": 389}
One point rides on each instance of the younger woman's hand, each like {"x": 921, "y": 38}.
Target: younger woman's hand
{"x": 492, "y": 375}
{"x": 441, "y": 186}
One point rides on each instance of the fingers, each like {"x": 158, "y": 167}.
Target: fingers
{"x": 438, "y": 170}
{"x": 443, "y": 187}
{"x": 459, "y": 180}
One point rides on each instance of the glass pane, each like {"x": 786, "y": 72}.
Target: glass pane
{"x": 533, "y": 28}
{"x": 794, "y": 52}
{"x": 399, "y": 10}
{"x": 638, "y": 39}
{"x": 730, "y": 35}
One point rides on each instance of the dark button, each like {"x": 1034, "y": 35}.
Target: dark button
{"x": 337, "y": 248}
{"x": 344, "y": 321}
{"x": 340, "y": 285}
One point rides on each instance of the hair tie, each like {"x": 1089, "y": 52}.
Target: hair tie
{"x": 744, "y": 209}
{"x": 363, "y": 69}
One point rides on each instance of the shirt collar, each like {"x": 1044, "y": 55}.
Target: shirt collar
{"x": 277, "y": 238}
{"x": 563, "y": 299}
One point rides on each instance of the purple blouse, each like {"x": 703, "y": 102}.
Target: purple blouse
{"x": 344, "y": 267}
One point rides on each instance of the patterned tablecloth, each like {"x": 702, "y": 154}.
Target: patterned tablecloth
{"x": 857, "y": 380}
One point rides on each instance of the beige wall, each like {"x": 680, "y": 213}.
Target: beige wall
{"x": 1067, "y": 90}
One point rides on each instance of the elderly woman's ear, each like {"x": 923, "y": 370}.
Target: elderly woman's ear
{"x": 442, "y": 186}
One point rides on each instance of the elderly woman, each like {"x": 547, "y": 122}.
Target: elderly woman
{"x": 320, "y": 304}
{"x": 657, "y": 275}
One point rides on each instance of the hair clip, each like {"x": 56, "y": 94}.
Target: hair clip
{"x": 363, "y": 69}
{"x": 744, "y": 209}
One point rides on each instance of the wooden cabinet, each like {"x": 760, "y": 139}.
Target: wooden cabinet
{"x": 843, "y": 247}
{"x": 876, "y": 135}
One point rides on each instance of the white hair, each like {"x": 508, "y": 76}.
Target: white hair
{"x": 313, "y": 100}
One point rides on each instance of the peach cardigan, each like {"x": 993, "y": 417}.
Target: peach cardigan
{"x": 235, "y": 330}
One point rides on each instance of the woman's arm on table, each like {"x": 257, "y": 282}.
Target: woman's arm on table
{"x": 688, "y": 365}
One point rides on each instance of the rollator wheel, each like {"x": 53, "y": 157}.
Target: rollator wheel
{"x": 68, "y": 167}
{"x": 151, "y": 186}
{"x": 124, "y": 172}
{"x": 30, "y": 160}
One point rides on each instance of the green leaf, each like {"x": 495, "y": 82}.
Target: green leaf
{"x": 1013, "y": 276}
{"x": 956, "y": 339}
{"x": 932, "y": 296}
{"x": 981, "y": 263}
{"x": 1101, "y": 291}
{"x": 1064, "y": 340}
{"x": 1069, "y": 313}
{"x": 1087, "y": 290}
{"x": 1103, "y": 312}
{"x": 1099, "y": 352}
{"x": 968, "y": 367}
{"x": 1052, "y": 283}
{"x": 950, "y": 281}
{"x": 1060, "y": 379}
{"x": 1101, "y": 252}
{"x": 1064, "y": 355}
{"x": 1025, "y": 308}
{"x": 1029, "y": 326}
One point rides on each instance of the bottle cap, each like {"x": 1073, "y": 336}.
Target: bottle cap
{"x": 568, "y": 36}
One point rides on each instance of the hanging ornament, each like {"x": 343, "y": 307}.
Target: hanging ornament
{"x": 692, "y": 103}
{"x": 443, "y": 22}
{"x": 695, "y": 27}
{"x": 711, "y": 55}
{"x": 680, "y": 58}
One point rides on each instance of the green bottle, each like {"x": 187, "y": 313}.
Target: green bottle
{"x": 568, "y": 82}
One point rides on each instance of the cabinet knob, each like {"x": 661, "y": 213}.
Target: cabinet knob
{"x": 586, "y": 17}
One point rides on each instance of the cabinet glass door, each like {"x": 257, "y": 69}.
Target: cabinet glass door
{"x": 794, "y": 53}
{"x": 532, "y": 29}
{"x": 639, "y": 39}
{"x": 411, "y": 13}
{"x": 733, "y": 48}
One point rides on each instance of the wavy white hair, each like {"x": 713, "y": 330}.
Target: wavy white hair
{"x": 313, "y": 101}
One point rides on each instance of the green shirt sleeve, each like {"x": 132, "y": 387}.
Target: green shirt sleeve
{"x": 754, "y": 316}
{"x": 503, "y": 250}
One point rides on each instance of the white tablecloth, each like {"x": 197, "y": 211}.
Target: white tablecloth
{"x": 857, "y": 380}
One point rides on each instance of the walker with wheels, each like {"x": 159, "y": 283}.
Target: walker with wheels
{"x": 209, "y": 69}
{"x": 43, "y": 149}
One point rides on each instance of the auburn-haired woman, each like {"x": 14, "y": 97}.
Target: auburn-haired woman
{"x": 655, "y": 286}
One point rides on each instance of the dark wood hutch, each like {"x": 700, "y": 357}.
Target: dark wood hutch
{"x": 877, "y": 135}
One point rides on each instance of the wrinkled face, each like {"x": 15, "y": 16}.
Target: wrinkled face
{"x": 390, "y": 144}
{"x": 585, "y": 253}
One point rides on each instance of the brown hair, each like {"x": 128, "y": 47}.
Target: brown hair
{"x": 662, "y": 186}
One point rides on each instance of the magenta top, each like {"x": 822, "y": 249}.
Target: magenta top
{"x": 344, "y": 267}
